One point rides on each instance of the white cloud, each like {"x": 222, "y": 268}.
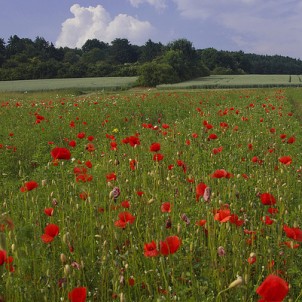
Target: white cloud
{"x": 268, "y": 27}
{"x": 96, "y": 23}
{"x": 158, "y": 4}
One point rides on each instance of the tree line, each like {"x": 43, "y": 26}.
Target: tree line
{"x": 153, "y": 63}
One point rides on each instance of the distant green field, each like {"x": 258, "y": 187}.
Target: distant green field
{"x": 238, "y": 81}
{"x": 108, "y": 83}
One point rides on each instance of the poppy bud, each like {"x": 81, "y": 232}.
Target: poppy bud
{"x": 44, "y": 182}
{"x": 237, "y": 282}
{"x": 66, "y": 270}
{"x": 63, "y": 258}
{"x": 178, "y": 228}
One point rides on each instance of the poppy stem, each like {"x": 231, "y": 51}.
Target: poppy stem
{"x": 300, "y": 295}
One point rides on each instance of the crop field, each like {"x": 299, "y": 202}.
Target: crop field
{"x": 106, "y": 83}
{"x": 151, "y": 196}
{"x": 238, "y": 81}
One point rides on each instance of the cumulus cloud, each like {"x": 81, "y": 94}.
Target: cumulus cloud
{"x": 96, "y": 23}
{"x": 268, "y": 27}
{"x": 158, "y": 4}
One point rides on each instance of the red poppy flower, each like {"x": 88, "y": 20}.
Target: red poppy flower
{"x": 267, "y": 220}
{"x": 235, "y": 220}
{"x": 125, "y": 204}
{"x": 113, "y": 146}
{"x": 90, "y": 147}
{"x": 201, "y": 222}
{"x": 158, "y": 157}
{"x": 111, "y": 176}
{"x": 60, "y": 153}
{"x": 78, "y": 294}
{"x": 252, "y": 259}
{"x": 79, "y": 170}
{"x": 272, "y": 211}
{"x": 286, "y": 160}
{"x": 200, "y": 189}
{"x": 134, "y": 141}
{"x": 50, "y": 232}
{"x": 88, "y": 164}
{"x": 217, "y": 150}
{"x": 291, "y": 244}
{"x": 131, "y": 281}
{"x": 273, "y": 289}
{"x": 140, "y": 193}
{"x": 83, "y": 195}
{"x": 165, "y": 207}
{"x": 267, "y": 199}
{"x": 150, "y": 249}
{"x": 28, "y": 186}
{"x": 221, "y": 173}
{"x": 2, "y": 256}
{"x": 81, "y": 135}
{"x": 291, "y": 140}
{"x": 84, "y": 178}
{"x": 49, "y": 211}
{"x": 222, "y": 215}
{"x": 155, "y": 147}
{"x": 170, "y": 245}
{"x": 72, "y": 144}
{"x": 165, "y": 126}
{"x": 133, "y": 164}
{"x": 90, "y": 138}
{"x": 293, "y": 233}
{"x": 212, "y": 136}
{"x": 124, "y": 218}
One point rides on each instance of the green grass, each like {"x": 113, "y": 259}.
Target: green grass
{"x": 238, "y": 81}
{"x": 102, "y": 257}
{"x": 107, "y": 83}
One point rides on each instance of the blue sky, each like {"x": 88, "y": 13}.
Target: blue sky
{"x": 253, "y": 26}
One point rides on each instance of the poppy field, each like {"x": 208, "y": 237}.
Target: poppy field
{"x": 151, "y": 196}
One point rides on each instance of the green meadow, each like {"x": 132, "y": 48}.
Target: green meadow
{"x": 151, "y": 195}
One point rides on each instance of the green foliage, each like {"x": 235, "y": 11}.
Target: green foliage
{"x": 153, "y": 73}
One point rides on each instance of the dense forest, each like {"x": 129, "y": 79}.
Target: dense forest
{"x": 154, "y": 63}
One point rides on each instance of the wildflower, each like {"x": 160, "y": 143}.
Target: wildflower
{"x": 81, "y": 135}
{"x": 221, "y": 173}
{"x": 252, "y": 258}
{"x": 293, "y": 233}
{"x": 2, "y": 256}
{"x": 170, "y": 245}
{"x": 267, "y": 199}
{"x": 165, "y": 207}
{"x": 124, "y": 218}
{"x": 60, "y": 153}
{"x": 273, "y": 288}
{"x": 286, "y": 160}
{"x": 49, "y": 211}
{"x": 200, "y": 190}
{"x": 28, "y": 186}
{"x": 155, "y": 147}
{"x": 150, "y": 249}
{"x": 222, "y": 215}
{"x": 158, "y": 157}
{"x": 133, "y": 164}
{"x": 111, "y": 177}
{"x": 50, "y": 232}
{"x": 78, "y": 294}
